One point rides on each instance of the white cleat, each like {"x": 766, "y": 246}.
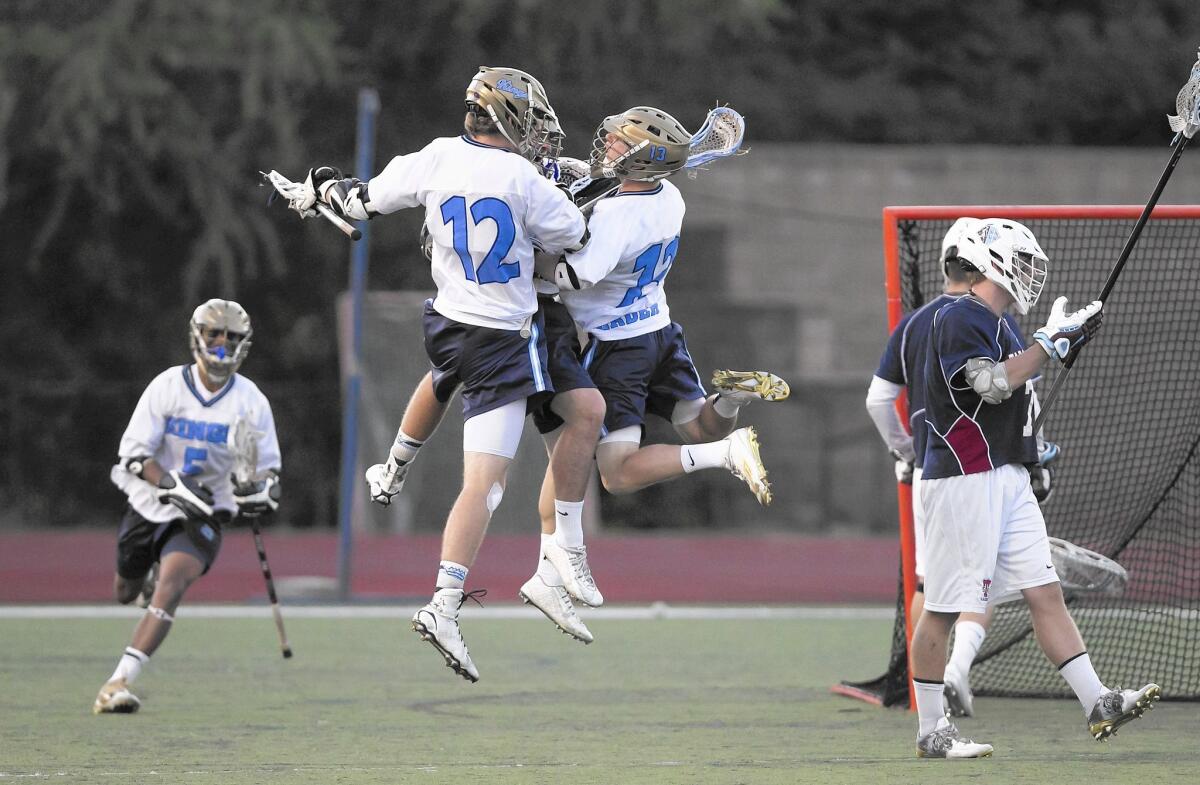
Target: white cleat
{"x": 745, "y": 386}
{"x": 959, "y": 700}
{"x": 944, "y": 741}
{"x": 572, "y": 566}
{"x": 385, "y": 480}
{"x": 556, "y": 604}
{"x": 437, "y": 623}
{"x": 746, "y": 464}
{"x": 1117, "y": 707}
{"x": 115, "y": 698}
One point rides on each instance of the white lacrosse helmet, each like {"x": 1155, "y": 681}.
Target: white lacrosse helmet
{"x": 951, "y": 242}
{"x": 210, "y": 321}
{"x": 1009, "y": 256}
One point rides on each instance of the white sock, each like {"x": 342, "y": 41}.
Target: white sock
{"x": 568, "y": 523}
{"x": 1080, "y": 674}
{"x": 929, "y": 705}
{"x": 727, "y": 407}
{"x": 451, "y": 575}
{"x": 695, "y": 457}
{"x": 546, "y": 571}
{"x": 405, "y": 448}
{"x": 129, "y": 667}
{"x": 968, "y": 637}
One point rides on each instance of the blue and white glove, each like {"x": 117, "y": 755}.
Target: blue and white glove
{"x": 191, "y": 496}
{"x": 1065, "y": 333}
{"x": 1041, "y": 474}
{"x": 259, "y": 497}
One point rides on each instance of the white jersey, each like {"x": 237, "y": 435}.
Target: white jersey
{"x": 182, "y": 425}
{"x": 635, "y": 236}
{"x": 486, "y": 209}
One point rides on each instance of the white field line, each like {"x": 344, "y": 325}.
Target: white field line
{"x": 655, "y": 612}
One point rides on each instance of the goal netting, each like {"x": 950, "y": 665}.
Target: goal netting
{"x": 1128, "y": 423}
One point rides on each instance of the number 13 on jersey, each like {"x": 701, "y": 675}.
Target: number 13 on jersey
{"x": 647, "y": 266}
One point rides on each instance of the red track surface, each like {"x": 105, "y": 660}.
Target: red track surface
{"x": 78, "y": 566}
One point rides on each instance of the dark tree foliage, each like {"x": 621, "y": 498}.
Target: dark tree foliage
{"x": 133, "y": 130}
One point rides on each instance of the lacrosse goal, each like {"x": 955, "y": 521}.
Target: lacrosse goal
{"x": 1128, "y": 422}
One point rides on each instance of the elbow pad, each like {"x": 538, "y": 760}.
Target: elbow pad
{"x": 348, "y": 198}
{"x": 988, "y": 379}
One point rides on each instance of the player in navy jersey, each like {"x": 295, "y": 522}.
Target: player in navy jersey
{"x": 175, "y": 464}
{"x": 985, "y": 534}
{"x": 486, "y": 210}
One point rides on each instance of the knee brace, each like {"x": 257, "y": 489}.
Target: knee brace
{"x": 494, "y": 496}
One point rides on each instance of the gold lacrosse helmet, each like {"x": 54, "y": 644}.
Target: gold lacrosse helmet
{"x": 657, "y": 145}
{"x": 517, "y": 104}
{"x": 211, "y": 321}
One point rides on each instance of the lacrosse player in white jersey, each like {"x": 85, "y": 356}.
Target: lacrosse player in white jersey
{"x": 636, "y": 355}
{"x": 985, "y": 534}
{"x": 175, "y": 466}
{"x": 486, "y": 209}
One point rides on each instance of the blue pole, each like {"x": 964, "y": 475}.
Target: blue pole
{"x": 364, "y": 158}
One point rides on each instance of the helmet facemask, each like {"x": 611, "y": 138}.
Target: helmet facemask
{"x": 212, "y": 321}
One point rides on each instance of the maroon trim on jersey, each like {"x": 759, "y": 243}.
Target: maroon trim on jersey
{"x": 965, "y": 438}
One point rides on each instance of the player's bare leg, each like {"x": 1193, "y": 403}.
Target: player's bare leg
{"x": 421, "y": 418}
{"x": 937, "y": 737}
{"x": 1106, "y": 709}
{"x": 178, "y": 570}
{"x": 969, "y": 633}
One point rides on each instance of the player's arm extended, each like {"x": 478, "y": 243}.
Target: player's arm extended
{"x": 881, "y": 406}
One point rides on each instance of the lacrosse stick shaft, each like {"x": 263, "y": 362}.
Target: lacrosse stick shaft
{"x": 284, "y": 646}
{"x": 347, "y": 228}
{"x": 1180, "y": 144}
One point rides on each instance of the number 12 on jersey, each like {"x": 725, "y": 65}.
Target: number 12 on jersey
{"x": 646, "y": 265}
{"x": 492, "y": 269}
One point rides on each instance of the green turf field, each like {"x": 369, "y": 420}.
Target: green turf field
{"x": 364, "y": 701}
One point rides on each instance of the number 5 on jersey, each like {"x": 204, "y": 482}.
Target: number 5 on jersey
{"x": 492, "y": 269}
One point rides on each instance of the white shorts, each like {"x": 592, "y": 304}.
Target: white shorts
{"x": 918, "y": 515}
{"x": 985, "y": 537}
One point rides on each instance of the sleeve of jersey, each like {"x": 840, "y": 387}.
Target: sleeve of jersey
{"x": 958, "y": 338}
{"x": 400, "y": 182}
{"x": 268, "y": 442}
{"x": 891, "y": 364}
{"x": 602, "y": 254}
{"x": 146, "y": 427}
{"x": 552, "y": 220}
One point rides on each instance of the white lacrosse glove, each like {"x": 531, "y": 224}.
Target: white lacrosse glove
{"x": 304, "y": 200}
{"x": 385, "y": 480}
{"x": 904, "y": 467}
{"x": 258, "y": 497}
{"x": 191, "y": 496}
{"x": 1065, "y": 333}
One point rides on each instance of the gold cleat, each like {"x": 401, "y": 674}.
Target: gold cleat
{"x": 1117, "y": 707}
{"x": 744, "y": 461}
{"x": 115, "y": 698}
{"x": 763, "y": 385}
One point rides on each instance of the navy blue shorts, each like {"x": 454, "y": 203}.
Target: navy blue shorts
{"x": 140, "y": 543}
{"x": 494, "y": 367}
{"x": 645, "y": 374}
{"x": 566, "y": 372}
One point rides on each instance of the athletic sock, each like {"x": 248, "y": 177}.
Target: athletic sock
{"x": 712, "y": 455}
{"x": 727, "y": 407}
{"x": 968, "y": 637}
{"x": 568, "y": 523}
{"x": 546, "y": 571}
{"x": 929, "y": 705}
{"x": 129, "y": 667}
{"x": 405, "y": 448}
{"x": 451, "y": 575}
{"x": 1080, "y": 674}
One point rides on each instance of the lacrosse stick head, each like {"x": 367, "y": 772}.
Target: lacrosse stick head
{"x": 518, "y": 105}
{"x": 219, "y": 335}
{"x": 243, "y": 444}
{"x": 642, "y": 144}
{"x": 1082, "y": 571}
{"x": 719, "y": 137}
{"x": 1187, "y": 104}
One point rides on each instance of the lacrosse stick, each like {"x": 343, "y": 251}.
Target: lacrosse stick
{"x": 719, "y": 137}
{"x": 293, "y": 192}
{"x": 245, "y": 470}
{"x": 1185, "y": 125}
{"x": 1086, "y": 572}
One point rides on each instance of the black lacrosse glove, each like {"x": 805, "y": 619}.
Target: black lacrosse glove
{"x": 258, "y": 497}
{"x": 191, "y": 496}
{"x": 1041, "y": 474}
